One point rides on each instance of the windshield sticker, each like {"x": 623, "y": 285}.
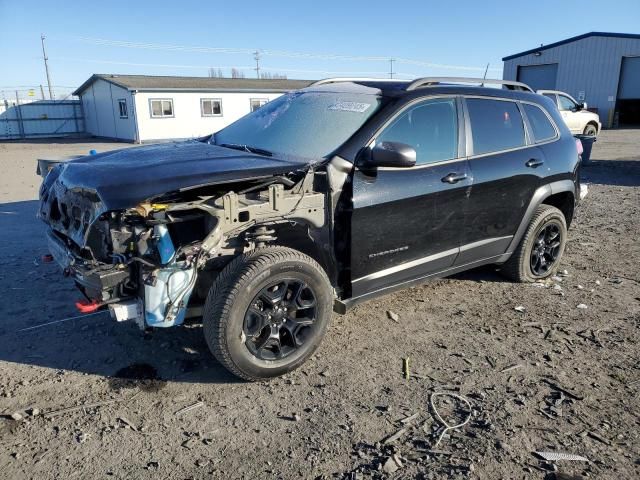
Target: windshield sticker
{"x": 350, "y": 107}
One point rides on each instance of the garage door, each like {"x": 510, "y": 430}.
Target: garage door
{"x": 629, "y": 78}
{"x": 539, "y": 77}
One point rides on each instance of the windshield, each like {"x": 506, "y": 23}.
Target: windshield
{"x": 302, "y": 124}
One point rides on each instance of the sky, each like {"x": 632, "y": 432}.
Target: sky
{"x": 306, "y": 39}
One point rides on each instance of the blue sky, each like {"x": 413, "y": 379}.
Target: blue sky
{"x": 442, "y": 38}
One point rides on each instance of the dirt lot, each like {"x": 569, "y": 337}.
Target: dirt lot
{"x": 551, "y": 375}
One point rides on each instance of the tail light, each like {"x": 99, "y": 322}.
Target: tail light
{"x": 579, "y": 146}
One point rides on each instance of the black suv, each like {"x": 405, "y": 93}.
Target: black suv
{"x": 324, "y": 197}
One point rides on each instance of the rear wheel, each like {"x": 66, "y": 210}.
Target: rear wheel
{"x": 540, "y": 250}
{"x": 591, "y": 129}
{"x": 267, "y": 312}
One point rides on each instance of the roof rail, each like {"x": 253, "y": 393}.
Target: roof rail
{"x": 324, "y": 81}
{"x": 429, "y": 81}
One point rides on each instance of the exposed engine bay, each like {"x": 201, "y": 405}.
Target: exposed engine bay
{"x": 154, "y": 262}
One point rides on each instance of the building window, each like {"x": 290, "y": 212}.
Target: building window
{"x": 256, "y": 103}
{"x": 122, "y": 106}
{"x": 211, "y": 107}
{"x": 161, "y": 107}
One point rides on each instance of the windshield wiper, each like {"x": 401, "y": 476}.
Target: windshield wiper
{"x": 247, "y": 148}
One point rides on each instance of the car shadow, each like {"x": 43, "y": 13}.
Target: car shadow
{"x": 485, "y": 273}
{"x": 39, "y": 324}
{"x": 623, "y": 173}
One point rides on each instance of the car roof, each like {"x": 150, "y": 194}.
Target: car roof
{"x": 431, "y": 86}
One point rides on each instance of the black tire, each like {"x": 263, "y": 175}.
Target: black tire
{"x": 520, "y": 266}
{"x": 243, "y": 284}
{"x": 590, "y": 129}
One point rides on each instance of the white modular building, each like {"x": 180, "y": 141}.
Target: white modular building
{"x": 142, "y": 108}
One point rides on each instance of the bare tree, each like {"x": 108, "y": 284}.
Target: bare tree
{"x": 216, "y": 73}
{"x": 235, "y": 73}
{"x": 273, "y": 76}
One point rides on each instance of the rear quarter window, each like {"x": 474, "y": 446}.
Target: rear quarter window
{"x": 541, "y": 126}
{"x": 496, "y": 125}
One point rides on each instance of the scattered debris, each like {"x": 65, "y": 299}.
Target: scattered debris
{"x": 61, "y": 411}
{"x": 410, "y": 418}
{"x": 393, "y": 316}
{"x": 597, "y": 437}
{"x": 520, "y": 309}
{"x": 582, "y": 306}
{"x": 396, "y": 436}
{"x": 189, "y": 408}
{"x": 508, "y": 369}
{"x": 556, "y": 456}
{"x": 491, "y": 361}
{"x": 405, "y": 368}
{"x": 127, "y": 423}
{"x": 17, "y": 416}
{"x": 571, "y": 394}
{"x": 392, "y": 464}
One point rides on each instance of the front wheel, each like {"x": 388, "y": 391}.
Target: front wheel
{"x": 267, "y": 312}
{"x": 591, "y": 130}
{"x": 538, "y": 255}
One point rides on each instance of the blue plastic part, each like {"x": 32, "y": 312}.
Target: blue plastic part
{"x": 93, "y": 152}
{"x": 165, "y": 244}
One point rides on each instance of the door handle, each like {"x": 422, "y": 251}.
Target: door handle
{"x": 534, "y": 162}
{"x": 454, "y": 177}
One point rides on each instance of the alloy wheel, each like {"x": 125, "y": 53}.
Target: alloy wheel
{"x": 280, "y": 319}
{"x": 546, "y": 249}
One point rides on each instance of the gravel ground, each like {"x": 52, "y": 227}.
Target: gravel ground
{"x": 541, "y": 371}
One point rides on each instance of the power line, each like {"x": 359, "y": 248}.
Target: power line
{"x": 274, "y": 53}
{"x": 244, "y": 67}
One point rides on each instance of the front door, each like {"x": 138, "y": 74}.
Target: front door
{"x": 407, "y": 222}
{"x": 569, "y": 111}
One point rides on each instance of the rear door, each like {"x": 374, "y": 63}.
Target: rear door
{"x": 407, "y": 222}
{"x": 506, "y": 169}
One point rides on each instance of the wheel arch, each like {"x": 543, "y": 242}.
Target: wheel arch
{"x": 557, "y": 194}
{"x": 309, "y": 240}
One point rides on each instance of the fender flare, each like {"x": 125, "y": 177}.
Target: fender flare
{"x": 539, "y": 196}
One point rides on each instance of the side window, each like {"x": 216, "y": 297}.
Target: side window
{"x": 566, "y": 103}
{"x": 256, "y": 103}
{"x": 430, "y": 127}
{"x": 161, "y": 108}
{"x": 495, "y": 125}
{"x": 552, "y": 97}
{"x": 122, "y": 107}
{"x": 211, "y": 107}
{"x": 540, "y": 123}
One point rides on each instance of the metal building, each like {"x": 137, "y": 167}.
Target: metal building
{"x": 142, "y": 108}
{"x": 601, "y": 69}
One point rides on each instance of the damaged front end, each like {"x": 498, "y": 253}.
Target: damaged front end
{"x": 154, "y": 262}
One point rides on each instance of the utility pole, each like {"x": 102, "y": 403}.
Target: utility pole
{"x": 46, "y": 67}
{"x": 391, "y": 60}
{"x": 256, "y": 56}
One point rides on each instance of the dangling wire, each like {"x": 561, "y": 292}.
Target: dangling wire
{"x": 436, "y": 414}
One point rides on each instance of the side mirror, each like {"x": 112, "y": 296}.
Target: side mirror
{"x": 581, "y": 106}
{"x": 392, "y": 154}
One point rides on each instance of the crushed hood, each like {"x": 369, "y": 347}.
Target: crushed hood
{"x": 124, "y": 178}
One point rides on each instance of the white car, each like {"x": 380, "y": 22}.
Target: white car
{"x": 575, "y": 114}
